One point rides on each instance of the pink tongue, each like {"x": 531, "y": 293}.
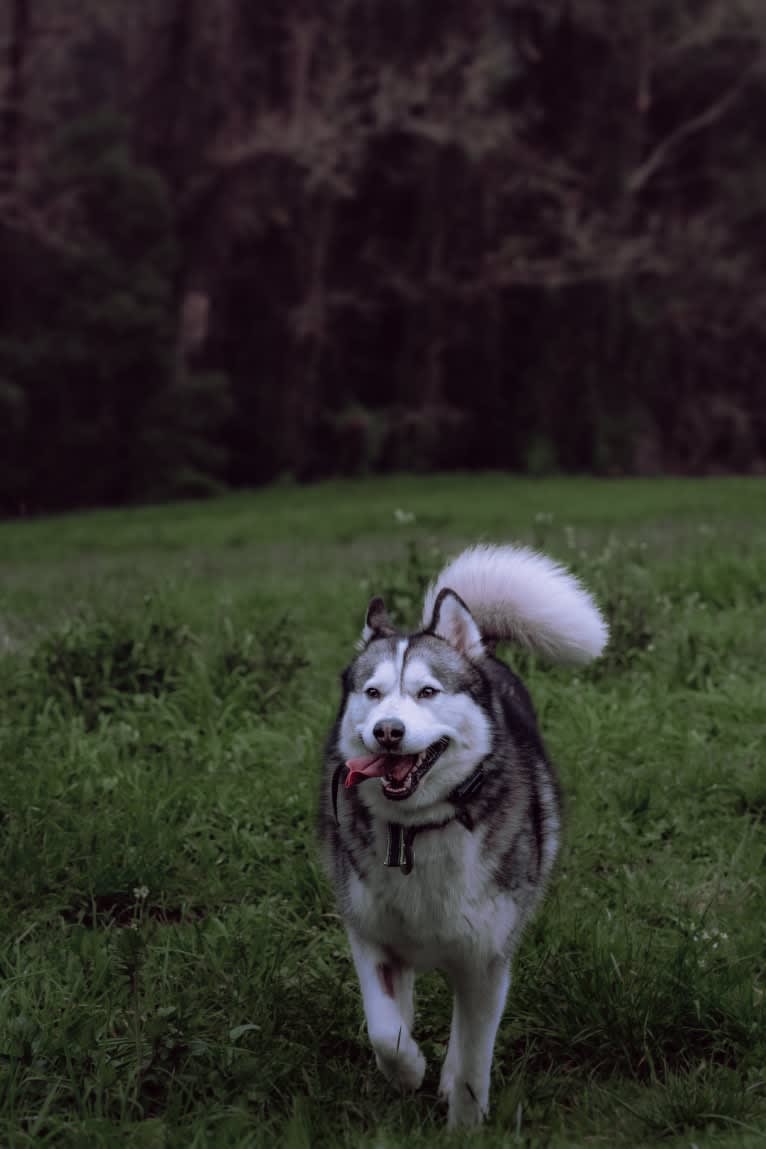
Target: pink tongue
{"x": 376, "y": 765}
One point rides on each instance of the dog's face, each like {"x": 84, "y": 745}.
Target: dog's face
{"x": 413, "y": 727}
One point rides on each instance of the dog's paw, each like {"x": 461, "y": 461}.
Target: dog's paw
{"x": 402, "y": 1063}
{"x": 466, "y": 1109}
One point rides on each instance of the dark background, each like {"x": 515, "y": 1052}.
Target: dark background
{"x": 246, "y": 240}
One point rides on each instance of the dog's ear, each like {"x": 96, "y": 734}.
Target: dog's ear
{"x": 377, "y": 624}
{"x": 453, "y": 621}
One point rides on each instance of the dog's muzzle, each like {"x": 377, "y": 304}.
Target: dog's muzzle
{"x": 401, "y": 774}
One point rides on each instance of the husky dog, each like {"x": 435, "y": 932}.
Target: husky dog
{"x": 444, "y": 832}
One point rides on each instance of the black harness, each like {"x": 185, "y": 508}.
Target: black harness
{"x": 400, "y": 841}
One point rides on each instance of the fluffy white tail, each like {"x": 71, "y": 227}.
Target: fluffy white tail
{"x": 516, "y": 594}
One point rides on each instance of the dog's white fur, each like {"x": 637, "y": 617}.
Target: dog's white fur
{"x": 454, "y": 716}
{"x": 516, "y": 594}
{"x": 450, "y": 913}
{"x": 437, "y": 917}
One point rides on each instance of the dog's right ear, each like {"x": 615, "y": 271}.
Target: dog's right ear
{"x": 377, "y": 624}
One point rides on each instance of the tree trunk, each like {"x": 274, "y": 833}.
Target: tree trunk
{"x": 15, "y": 93}
{"x": 209, "y": 227}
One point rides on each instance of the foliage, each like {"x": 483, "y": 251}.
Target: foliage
{"x": 94, "y": 666}
{"x": 88, "y": 356}
{"x": 259, "y": 666}
{"x": 379, "y": 237}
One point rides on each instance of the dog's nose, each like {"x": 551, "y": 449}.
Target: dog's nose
{"x": 389, "y": 732}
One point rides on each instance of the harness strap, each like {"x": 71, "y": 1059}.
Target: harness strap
{"x": 335, "y": 784}
{"x": 469, "y": 787}
{"x": 400, "y": 840}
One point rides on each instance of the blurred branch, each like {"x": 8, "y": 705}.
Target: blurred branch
{"x": 711, "y": 115}
{"x": 22, "y": 218}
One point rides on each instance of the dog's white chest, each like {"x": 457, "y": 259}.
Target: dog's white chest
{"x": 445, "y": 911}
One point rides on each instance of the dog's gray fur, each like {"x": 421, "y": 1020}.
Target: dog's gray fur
{"x": 480, "y": 859}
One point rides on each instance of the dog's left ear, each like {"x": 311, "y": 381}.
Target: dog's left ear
{"x": 377, "y": 624}
{"x": 453, "y": 621}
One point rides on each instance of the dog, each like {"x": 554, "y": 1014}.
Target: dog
{"x": 439, "y": 815}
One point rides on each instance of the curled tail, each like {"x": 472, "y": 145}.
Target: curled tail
{"x": 516, "y": 594}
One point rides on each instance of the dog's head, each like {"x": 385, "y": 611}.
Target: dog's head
{"x": 415, "y": 721}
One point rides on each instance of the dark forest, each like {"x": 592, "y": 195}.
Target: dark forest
{"x": 249, "y": 241}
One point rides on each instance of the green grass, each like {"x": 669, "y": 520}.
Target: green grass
{"x": 172, "y": 971}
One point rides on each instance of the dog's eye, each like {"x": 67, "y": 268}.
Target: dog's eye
{"x": 428, "y": 692}
{"x": 372, "y": 692}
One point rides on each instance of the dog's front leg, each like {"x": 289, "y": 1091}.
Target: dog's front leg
{"x": 480, "y": 993}
{"x": 388, "y": 995}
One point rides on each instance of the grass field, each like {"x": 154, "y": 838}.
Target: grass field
{"x": 173, "y": 972}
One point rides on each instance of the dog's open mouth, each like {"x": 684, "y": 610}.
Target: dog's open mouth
{"x": 401, "y": 774}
